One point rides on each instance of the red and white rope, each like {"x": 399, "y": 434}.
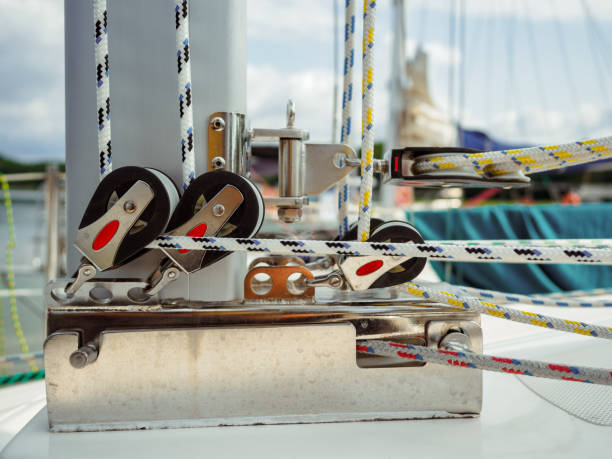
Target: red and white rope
{"x": 486, "y": 362}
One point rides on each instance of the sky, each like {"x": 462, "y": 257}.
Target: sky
{"x": 533, "y": 72}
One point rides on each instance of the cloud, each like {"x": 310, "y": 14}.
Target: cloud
{"x": 32, "y": 83}
{"x": 539, "y": 11}
{"x": 290, "y": 20}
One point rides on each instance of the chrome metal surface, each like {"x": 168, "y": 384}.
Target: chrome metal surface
{"x": 321, "y": 173}
{"x": 168, "y": 275}
{"x": 84, "y": 273}
{"x": 218, "y": 163}
{"x": 350, "y": 268}
{"x": 334, "y": 279}
{"x": 52, "y": 213}
{"x": 84, "y": 355}
{"x": 272, "y": 135}
{"x": 445, "y": 334}
{"x": 455, "y": 341}
{"x": 227, "y": 140}
{"x": 287, "y": 202}
{"x": 121, "y": 292}
{"x": 141, "y": 195}
{"x": 229, "y": 199}
{"x": 164, "y": 366}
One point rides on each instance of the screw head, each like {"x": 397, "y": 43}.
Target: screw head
{"x": 129, "y": 206}
{"x": 335, "y": 281}
{"x": 87, "y": 272}
{"x": 171, "y": 274}
{"x": 218, "y": 210}
{"x": 364, "y": 324}
{"x": 218, "y": 163}
{"x": 217, "y": 124}
{"x": 289, "y": 214}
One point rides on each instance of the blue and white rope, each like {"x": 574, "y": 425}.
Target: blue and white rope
{"x": 367, "y": 121}
{"x": 342, "y": 189}
{"x": 183, "y": 57}
{"x": 470, "y": 303}
{"x": 102, "y": 87}
{"x": 514, "y": 298}
{"x": 454, "y": 251}
{"x": 476, "y": 361}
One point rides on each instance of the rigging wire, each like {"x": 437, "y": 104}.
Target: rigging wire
{"x": 451, "y": 65}
{"x": 421, "y": 28}
{"x": 489, "y": 57}
{"x": 513, "y": 94}
{"x": 592, "y": 40}
{"x": 568, "y": 68}
{"x": 604, "y": 49}
{"x": 535, "y": 62}
{"x": 462, "y": 62}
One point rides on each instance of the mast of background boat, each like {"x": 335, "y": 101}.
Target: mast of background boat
{"x": 145, "y": 114}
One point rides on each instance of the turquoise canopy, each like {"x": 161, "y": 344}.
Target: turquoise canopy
{"x": 550, "y": 221}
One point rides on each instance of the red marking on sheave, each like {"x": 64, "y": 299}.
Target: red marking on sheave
{"x": 197, "y": 231}
{"x": 369, "y": 268}
{"x": 396, "y": 164}
{"x": 105, "y": 235}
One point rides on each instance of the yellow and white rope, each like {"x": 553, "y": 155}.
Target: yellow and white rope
{"x": 8, "y": 204}
{"x": 367, "y": 120}
{"x": 529, "y": 160}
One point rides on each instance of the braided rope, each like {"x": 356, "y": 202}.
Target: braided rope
{"x": 529, "y": 160}
{"x": 471, "y": 303}
{"x": 342, "y": 190}
{"x": 102, "y": 87}
{"x": 455, "y": 251}
{"x": 487, "y": 362}
{"x": 22, "y": 377}
{"x": 8, "y": 204}
{"x": 181, "y": 14}
{"x": 535, "y": 300}
{"x": 367, "y": 120}
{"x": 26, "y": 357}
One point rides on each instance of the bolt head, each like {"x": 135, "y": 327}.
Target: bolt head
{"x": 217, "y": 124}
{"x": 218, "y": 210}
{"x": 289, "y": 214}
{"x": 218, "y": 163}
{"x": 87, "y": 272}
{"x": 171, "y": 274}
{"x": 78, "y": 359}
{"x": 129, "y": 206}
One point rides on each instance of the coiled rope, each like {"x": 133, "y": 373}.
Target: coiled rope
{"x": 102, "y": 87}
{"x": 471, "y": 303}
{"x": 342, "y": 190}
{"x": 455, "y": 251}
{"x": 367, "y": 121}
{"x": 528, "y": 160}
{"x": 486, "y": 362}
{"x": 183, "y": 59}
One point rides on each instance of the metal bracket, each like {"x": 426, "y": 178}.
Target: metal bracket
{"x": 213, "y": 216}
{"x": 126, "y": 211}
{"x": 227, "y": 148}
